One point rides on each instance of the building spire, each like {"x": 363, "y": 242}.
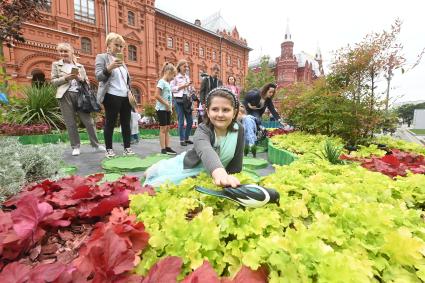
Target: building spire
{"x": 318, "y": 55}
{"x": 288, "y": 36}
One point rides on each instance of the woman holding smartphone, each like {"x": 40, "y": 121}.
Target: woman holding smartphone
{"x": 181, "y": 88}
{"x": 113, "y": 92}
{"x": 66, "y": 75}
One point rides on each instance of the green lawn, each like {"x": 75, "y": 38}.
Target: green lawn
{"x": 419, "y": 131}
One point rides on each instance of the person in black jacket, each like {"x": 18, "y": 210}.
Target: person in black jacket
{"x": 209, "y": 83}
{"x": 257, "y": 101}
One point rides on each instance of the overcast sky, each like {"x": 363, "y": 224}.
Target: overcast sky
{"x": 329, "y": 24}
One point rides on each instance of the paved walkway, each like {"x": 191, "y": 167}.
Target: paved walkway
{"x": 89, "y": 162}
{"x": 404, "y": 134}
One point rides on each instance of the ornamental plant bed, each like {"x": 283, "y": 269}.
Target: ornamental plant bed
{"x": 334, "y": 223}
{"x": 397, "y": 163}
{"x": 85, "y": 235}
{"x": 19, "y": 130}
{"x": 280, "y": 156}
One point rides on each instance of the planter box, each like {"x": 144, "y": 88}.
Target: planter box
{"x": 63, "y": 137}
{"x": 280, "y": 156}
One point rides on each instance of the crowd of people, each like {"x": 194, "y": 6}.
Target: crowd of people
{"x": 225, "y": 126}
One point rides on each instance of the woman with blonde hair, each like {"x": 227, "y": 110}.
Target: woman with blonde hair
{"x": 181, "y": 87}
{"x": 114, "y": 91}
{"x": 66, "y": 75}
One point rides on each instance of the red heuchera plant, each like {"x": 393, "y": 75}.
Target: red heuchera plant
{"x": 48, "y": 205}
{"x": 19, "y": 130}
{"x": 395, "y": 164}
{"x": 108, "y": 254}
{"x": 276, "y": 132}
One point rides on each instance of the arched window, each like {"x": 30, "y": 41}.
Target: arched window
{"x": 38, "y": 78}
{"x": 201, "y": 52}
{"x": 131, "y": 18}
{"x": 214, "y": 56}
{"x": 229, "y": 61}
{"x": 170, "y": 43}
{"x": 132, "y": 53}
{"x": 186, "y": 47}
{"x": 239, "y": 62}
{"x": 85, "y": 45}
{"x": 137, "y": 94}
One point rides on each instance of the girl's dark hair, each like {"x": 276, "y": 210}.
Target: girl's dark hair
{"x": 225, "y": 93}
{"x": 266, "y": 88}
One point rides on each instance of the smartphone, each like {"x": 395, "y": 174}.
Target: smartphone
{"x": 119, "y": 56}
{"x": 75, "y": 71}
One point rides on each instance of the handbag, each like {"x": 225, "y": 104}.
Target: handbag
{"x": 86, "y": 101}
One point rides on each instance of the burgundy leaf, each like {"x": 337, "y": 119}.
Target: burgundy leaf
{"x": 203, "y": 274}
{"x": 165, "y": 271}
{"x": 15, "y": 273}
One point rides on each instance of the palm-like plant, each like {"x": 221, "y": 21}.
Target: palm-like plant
{"x": 38, "y": 106}
{"x": 331, "y": 153}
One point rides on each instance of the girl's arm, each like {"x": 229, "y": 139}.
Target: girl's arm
{"x": 211, "y": 161}
{"x": 270, "y": 106}
{"x": 161, "y": 99}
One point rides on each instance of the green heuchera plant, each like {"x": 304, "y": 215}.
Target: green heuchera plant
{"x": 368, "y": 151}
{"x": 301, "y": 143}
{"x": 334, "y": 223}
{"x": 22, "y": 164}
{"x": 401, "y": 144}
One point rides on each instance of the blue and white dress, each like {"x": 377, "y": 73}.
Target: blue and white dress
{"x": 171, "y": 170}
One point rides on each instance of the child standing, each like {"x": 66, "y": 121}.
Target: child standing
{"x": 218, "y": 146}
{"x": 164, "y": 107}
{"x": 134, "y": 124}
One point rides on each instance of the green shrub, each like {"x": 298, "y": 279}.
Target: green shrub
{"x": 22, "y": 164}
{"x": 39, "y": 106}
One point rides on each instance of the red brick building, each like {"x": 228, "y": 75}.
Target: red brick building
{"x": 290, "y": 68}
{"x": 153, "y": 36}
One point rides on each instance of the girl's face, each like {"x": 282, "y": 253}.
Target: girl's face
{"x": 116, "y": 46}
{"x": 221, "y": 112}
{"x": 65, "y": 54}
{"x": 270, "y": 92}
{"x": 183, "y": 68}
{"x": 231, "y": 80}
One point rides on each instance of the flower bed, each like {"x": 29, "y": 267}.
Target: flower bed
{"x": 19, "y": 130}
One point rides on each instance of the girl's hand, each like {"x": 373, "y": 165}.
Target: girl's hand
{"x": 221, "y": 178}
{"x": 168, "y": 107}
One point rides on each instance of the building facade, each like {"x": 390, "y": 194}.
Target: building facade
{"x": 152, "y": 37}
{"x": 290, "y": 68}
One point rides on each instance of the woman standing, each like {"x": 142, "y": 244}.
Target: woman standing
{"x": 181, "y": 88}
{"x": 66, "y": 75}
{"x": 231, "y": 84}
{"x": 113, "y": 91}
{"x": 256, "y": 101}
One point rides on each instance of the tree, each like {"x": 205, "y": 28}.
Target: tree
{"x": 260, "y": 76}
{"x": 13, "y": 13}
{"x": 406, "y": 112}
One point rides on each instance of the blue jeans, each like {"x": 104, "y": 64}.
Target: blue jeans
{"x": 181, "y": 115}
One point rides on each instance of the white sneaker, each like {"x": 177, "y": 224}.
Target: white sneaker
{"x": 75, "y": 152}
{"x": 99, "y": 148}
{"x": 128, "y": 151}
{"x": 109, "y": 153}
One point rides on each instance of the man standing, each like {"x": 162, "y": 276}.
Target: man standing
{"x": 209, "y": 83}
